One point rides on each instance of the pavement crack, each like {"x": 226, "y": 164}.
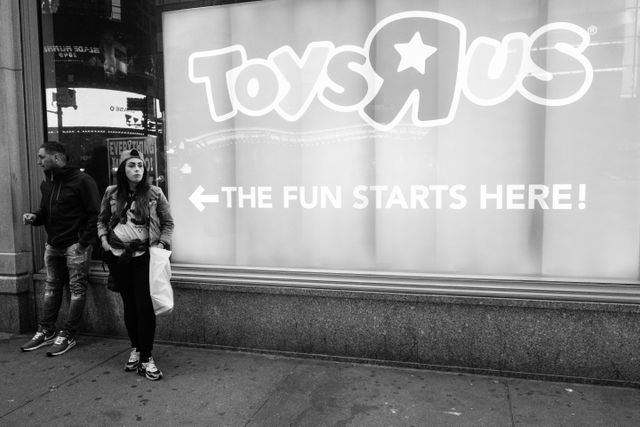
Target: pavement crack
{"x": 513, "y": 423}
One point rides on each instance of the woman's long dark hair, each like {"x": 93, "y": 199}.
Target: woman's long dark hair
{"x": 141, "y": 196}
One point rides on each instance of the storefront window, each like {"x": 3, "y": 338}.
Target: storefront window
{"x": 481, "y": 139}
{"x": 102, "y": 87}
{"x": 486, "y": 138}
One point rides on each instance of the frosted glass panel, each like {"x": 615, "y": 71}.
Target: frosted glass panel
{"x": 488, "y": 138}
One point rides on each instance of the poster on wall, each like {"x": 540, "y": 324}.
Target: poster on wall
{"x": 485, "y": 139}
{"x": 144, "y": 144}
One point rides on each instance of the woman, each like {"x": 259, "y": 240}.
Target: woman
{"x": 133, "y": 216}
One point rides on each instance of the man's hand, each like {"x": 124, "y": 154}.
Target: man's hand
{"x": 28, "y": 218}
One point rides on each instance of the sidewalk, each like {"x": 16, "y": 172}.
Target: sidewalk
{"x": 203, "y": 387}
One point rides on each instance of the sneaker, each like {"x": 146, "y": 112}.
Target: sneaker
{"x": 133, "y": 362}
{"x": 40, "y": 339}
{"x": 150, "y": 370}
{"x": 63, "y": 343}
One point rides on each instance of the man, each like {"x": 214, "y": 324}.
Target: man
{"x": 68, "y": 210}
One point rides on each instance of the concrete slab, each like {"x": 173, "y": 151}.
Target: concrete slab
{"x": 536, "y": 403}
{"x": 200, "y": 387}
{"x": 88, "y": 386}
{"x": 31, "y": 376}
{"x": 342, "y": 394}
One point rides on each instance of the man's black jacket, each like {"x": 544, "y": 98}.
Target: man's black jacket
{"x": 69, "y": 207}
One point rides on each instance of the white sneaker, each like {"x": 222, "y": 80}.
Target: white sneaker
{"x": 133, "y": 362}
{"x": 150, "y": 370}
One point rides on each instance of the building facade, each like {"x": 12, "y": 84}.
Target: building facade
{"x": 451, "y": 185}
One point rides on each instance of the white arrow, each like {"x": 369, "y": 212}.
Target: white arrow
{"x": 198, "y": 199}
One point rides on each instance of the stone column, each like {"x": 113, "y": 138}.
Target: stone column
{"x": 20, "y": 130}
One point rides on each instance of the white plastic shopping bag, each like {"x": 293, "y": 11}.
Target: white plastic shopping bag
{"x": 159, "y": 280}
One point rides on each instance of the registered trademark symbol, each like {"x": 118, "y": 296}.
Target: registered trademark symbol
{"x": 593, "y": 30}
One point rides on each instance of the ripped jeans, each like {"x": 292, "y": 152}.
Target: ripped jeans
{"x": 70, "y": 263}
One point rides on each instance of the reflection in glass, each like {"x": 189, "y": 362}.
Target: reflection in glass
{"x": 98, "y": 60}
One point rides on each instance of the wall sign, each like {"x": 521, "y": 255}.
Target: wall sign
{"x": 258, "y": 86}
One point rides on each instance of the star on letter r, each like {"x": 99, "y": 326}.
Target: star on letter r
{"x": 414, "y": 54}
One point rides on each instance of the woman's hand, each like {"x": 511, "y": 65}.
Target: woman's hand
{"x": 105, "y": 244}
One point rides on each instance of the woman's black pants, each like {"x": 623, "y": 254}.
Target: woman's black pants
{"x": 132, "y": 278}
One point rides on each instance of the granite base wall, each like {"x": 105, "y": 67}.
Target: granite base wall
{"x": 574, "y": 341}
{"x": 17, "y": 307}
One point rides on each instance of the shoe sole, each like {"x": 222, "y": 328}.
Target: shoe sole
{"x": 144, "y": 374}
{"x": 131, "y": 368}
{"x": 153, "y": 379}
{"x": 45, "y": 342}
{"x": 58, "y": 353}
